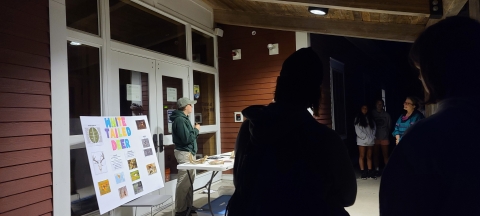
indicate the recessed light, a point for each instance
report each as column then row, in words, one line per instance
column 75, row 43
column 318, row 11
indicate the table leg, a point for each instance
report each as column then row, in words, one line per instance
column 206, row 185
column 191, row 191
column 209, row 185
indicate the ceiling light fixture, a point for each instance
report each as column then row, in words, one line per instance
column 318, row 11
column 75, row 43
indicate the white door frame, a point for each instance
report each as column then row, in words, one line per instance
column 164, row 68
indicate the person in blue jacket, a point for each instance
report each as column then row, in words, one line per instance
column 406, row 120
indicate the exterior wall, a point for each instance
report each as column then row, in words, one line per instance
column 252, row 79
column 25, row 109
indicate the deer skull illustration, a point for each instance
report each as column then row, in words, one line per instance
column 99, row 162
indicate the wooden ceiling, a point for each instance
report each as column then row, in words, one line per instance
column 396, row 20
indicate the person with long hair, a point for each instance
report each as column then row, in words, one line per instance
column 286, row 162
column 410, row 117
column 382, row 135
column 434, row 169
column 365, row 130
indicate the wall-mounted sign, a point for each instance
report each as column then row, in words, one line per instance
column 170, row 122
column 134, row 92
column 196, row 91
column 171, row 94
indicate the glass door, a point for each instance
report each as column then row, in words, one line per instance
column 172, row 84
column 131, row 87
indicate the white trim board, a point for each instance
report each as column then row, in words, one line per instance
column 60, row 110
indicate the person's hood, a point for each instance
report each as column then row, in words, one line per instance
column 276, row 120
column 302, row 72
column 177, row 114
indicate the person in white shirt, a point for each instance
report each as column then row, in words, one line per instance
column 365, row 130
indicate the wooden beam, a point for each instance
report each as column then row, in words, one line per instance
column 370, row 30
column 398, row 7
column 450, row 8
column 474, row 9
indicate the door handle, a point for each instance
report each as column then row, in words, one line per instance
column 160, row 139
column 155, row 142
column 158, row 142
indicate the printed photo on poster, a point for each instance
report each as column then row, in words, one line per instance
column 135, row 175
column 138, row 187
column 99, row 163
column 123, row 192
column 104, row 187
column 94, row 135
column 148, row 152
column 151, row 169
column 132, row 164
column 117, row 162
column 145, row 142
column 119, row 178
column 141, row 124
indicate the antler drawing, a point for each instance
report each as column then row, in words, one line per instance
column 99, row 163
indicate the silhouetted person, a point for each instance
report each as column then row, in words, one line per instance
column 382, row 134
column 434, row 170
column 287, row 163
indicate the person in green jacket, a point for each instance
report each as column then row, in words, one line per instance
column 185, row 140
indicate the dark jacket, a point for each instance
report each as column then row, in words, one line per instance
column 183, row 133
column 287, row 163
column 434, row 170
column 383, row 123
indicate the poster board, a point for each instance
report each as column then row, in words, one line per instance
column 122, row 159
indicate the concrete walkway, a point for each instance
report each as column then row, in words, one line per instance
column 366, row 203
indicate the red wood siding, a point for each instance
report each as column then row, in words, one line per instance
column 252, row 79
column 25, row 114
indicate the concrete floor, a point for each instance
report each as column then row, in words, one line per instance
column 366, row 203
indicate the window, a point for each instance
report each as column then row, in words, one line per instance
column 83, row 15
column 339, row 123
column 204, row 94
column 139, row 26
column 206, row 146
column 202, row 48
column 384, row 101
column 134, row 98
column 83, row 83
column 82, row 191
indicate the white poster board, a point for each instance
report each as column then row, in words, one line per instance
column 122, row 159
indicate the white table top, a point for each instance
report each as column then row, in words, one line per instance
column 207, row 166
column 148, row 200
